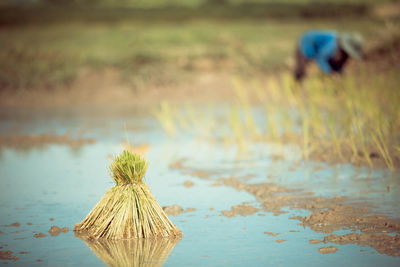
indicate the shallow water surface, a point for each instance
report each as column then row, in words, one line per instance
column 58, row 185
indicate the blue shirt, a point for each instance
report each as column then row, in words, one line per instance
column 320, row 46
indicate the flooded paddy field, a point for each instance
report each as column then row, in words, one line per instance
column 264, row 207
column 254, row 168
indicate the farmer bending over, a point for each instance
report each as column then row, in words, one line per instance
column 329, row 49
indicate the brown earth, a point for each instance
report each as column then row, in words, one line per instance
column 55, row 230
column 321, row 151
column 326, row 250
column 381, row 242
column 41, row 140
column 188, row 184
column 175, row 210
column 243, row 209
column 39, row 235
column 16, row 224
column 201, row 173
column 328, row 215
column 106, row 88
column 178, row 165
column 272, row 234
column 7, row 255
column 323, row 154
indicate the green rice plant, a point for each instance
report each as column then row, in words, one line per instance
column 336, row 141
column 245, row 106
column 235, row 122
column 306, row 138
column 272, row 123
column 259, row 92
column 306, row 134
column 287, row 123
column 166, row 117
column 379, row 141
column 274, row 90
column 183, row 118
column 350, row 131
column 128, row 210
column 363, row 143
column 316, row 121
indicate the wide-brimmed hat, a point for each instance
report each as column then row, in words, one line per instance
column 352, row 44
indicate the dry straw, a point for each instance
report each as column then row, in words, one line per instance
column 128, row 210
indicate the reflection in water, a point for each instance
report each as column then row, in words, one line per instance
column 131, row 252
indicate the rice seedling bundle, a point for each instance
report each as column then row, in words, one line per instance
column 128, row 210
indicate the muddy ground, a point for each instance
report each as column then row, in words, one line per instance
column 326, row 214
column 106, row 89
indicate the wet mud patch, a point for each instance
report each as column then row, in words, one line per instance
column 272, row 234
column 42, row 140
column 19, row 231
column 55, row 230
column 327, row 250
column 201, row 173
column 328, row 215
column 186, row 170
column 243, row 209
column 15, row 224
column 188, row 184
column 321, row 153
column 39, row 235
column 383, row 243
column 178, row 165
column 7, row 255
column 175, row 210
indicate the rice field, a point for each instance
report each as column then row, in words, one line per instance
column 169, row 133
column 341, row 119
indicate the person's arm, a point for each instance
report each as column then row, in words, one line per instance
column 325, row 53
column 324, row 64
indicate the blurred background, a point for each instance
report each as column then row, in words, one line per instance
column 59, row 52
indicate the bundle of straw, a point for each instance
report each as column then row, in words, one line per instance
column 128, row 210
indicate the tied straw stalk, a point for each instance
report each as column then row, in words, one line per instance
column 128, row 210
